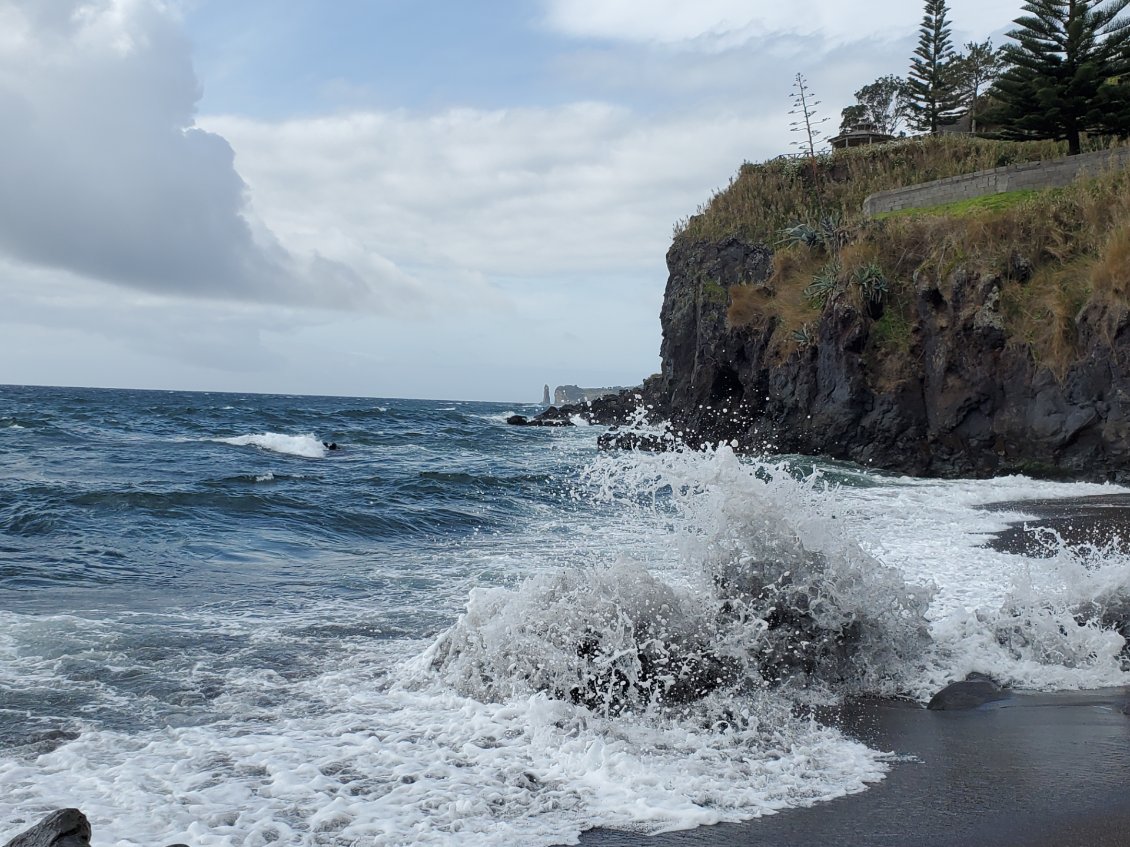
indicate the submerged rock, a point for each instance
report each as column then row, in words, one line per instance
column 969, row 693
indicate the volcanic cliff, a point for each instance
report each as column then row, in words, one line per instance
column 959, row 400
column 976, row 343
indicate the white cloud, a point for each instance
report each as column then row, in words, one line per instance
column 519, row 192
column 107, row 176
column 724, row 24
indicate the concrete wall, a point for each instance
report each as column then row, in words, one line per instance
column 1029, row 175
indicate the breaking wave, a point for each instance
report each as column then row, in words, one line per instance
column 306, row 446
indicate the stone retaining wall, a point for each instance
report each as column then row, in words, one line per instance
column 1028, row 175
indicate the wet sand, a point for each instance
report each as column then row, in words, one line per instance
column 1035, row 770
column 1099, row 520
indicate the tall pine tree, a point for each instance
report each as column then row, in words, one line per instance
column 932, row 94
column 1063, row 75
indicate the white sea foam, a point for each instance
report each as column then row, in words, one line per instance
column 347, row 757
column 623, row 684
column 1029, row 622
column 306, row 446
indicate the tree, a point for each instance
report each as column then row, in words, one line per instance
column 974, row 69
column 1064, row 69
column 808, row 124
column 931, row 87
column 880, row 106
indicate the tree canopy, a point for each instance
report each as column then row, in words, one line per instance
column 880, row 106
column 1067, row 72
column 977, row 66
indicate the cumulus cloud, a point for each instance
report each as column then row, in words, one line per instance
column 725, row 24
column 107, row 175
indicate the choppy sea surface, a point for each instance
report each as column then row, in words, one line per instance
column 215, row 630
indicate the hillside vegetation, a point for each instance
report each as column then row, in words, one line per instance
column 1054, row 255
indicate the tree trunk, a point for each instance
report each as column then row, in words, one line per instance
column 1073, row 148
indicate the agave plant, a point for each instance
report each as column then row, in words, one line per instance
column 872, row 282
column 824, row 284
column 803, row 336
column 801, row 233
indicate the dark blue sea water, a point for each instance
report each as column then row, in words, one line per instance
column 214, row 629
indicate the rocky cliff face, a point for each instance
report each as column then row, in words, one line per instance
column 953, row 397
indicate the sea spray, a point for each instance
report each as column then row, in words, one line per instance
column 767, row 605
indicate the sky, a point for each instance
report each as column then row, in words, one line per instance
column 388, row 198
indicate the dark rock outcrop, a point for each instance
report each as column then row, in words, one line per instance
column 550, row 417
column 956, row 399
column 629, row 439
column 64, row 828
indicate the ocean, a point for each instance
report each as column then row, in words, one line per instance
column 216, row 630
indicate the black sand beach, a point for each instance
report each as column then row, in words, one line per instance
column 1033, row 770
column 1099, row 520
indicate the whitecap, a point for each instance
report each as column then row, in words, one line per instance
column 306, row 446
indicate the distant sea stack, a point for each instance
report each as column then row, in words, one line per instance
column 545, row 401
column 964, row 344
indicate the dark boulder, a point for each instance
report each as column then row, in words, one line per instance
column 969, row 693
column 64, row 828
column 552, row 416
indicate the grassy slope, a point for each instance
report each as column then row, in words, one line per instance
column 1053, row 252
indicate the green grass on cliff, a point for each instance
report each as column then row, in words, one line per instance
column 762, row 200
column 985, row 203
column 1059, row 258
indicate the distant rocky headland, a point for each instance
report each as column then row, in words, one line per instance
column 986, row 336
column 566, row 394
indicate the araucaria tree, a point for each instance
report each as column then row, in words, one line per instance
column 1064, row 69
column 932, row 95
